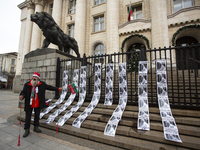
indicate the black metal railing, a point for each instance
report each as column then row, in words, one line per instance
column 182, row 73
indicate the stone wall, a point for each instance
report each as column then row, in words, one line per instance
column 43, row 61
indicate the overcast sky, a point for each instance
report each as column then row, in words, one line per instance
column 10, row 25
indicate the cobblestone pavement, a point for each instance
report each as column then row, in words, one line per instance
column 47, row 140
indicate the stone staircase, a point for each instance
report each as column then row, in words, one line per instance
column 127, row 135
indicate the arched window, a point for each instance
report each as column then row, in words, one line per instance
column 99, row 50
column 133, row 58
column 184, row 56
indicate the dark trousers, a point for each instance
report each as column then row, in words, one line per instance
column 28, row 117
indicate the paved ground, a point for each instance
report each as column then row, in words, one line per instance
column 47, row 140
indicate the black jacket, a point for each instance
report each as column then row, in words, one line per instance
column 26, row 92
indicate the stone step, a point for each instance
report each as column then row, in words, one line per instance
column 130, row 119
column 88, row 126
column 127, row 134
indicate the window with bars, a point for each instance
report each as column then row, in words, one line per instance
column 97, row 2
column 179, row 4
column 72, row 6
column 98, row 23
column 137, row 12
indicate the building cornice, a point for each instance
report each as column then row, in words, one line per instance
column 133, row 21
column 134, row 32
column 183, row 23
column 38, row 2
column 23, row 4
column 183, row 10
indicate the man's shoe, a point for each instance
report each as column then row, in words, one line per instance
column 27, row 131
column 36, row 129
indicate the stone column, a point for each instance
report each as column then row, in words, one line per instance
column 36, row 33
column 28, row 32
column 159, row 26
column 112, row 26
column 56, row 14
column 80, row 25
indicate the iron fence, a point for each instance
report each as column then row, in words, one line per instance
column 183, row 64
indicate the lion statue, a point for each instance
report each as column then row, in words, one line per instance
column 53, row 34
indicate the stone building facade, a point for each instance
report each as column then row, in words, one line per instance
column 102, row 26
column 8, row 68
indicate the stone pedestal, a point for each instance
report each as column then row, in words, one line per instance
column 43, row 61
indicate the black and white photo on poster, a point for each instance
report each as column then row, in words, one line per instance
column 143, row 123
column 163, row 103
column 67, row 103
column 123, row 90
column 142, row 79
column 172, row 135
column 123, row 101
column 161, row 78
column 143, row 68
column 112, row 124
column 162, row 90
column 62, row 96
column 82, row 95
column 143, row 103
column 122, row 79
column 109, row 80
column 118, row 111
column 143, row 113
column 111, row 128
column 95, row 99
column 166, row 114
column 121, row 68
column 142, row 91
column 169, row 123
column 108, row 101
column 109, row 69
column 108, row 91
column 160, row 65
column 97, row 88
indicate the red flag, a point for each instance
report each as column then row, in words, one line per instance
column 130, row 12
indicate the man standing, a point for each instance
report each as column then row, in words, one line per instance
column 34, row 94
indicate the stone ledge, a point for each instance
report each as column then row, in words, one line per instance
column 46, row 51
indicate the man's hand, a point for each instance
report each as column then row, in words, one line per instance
column 21, row 97
column 60, row 89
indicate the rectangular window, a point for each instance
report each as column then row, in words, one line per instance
column 96, row 2
column 72, row 6
column 12, row 69
column 71, row 30
column 98, row 23
column 71, row 34
column 179, row 4
column 51, row 9
column 12, row 61
column 137, row 12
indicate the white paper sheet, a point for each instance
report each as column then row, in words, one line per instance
column 112, row 124
column 109, row 85
column 143, row 104
column 169, row 124
column 82, row 94
column 95, row 99
column 61, row 98
column 67, row 103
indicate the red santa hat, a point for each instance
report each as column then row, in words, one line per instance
column 36, row 74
